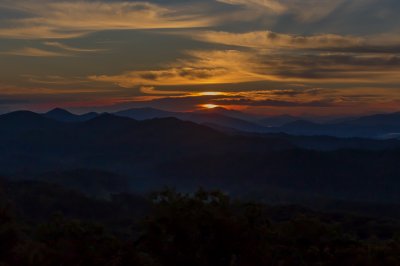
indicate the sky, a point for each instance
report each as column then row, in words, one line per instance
column 320, row 57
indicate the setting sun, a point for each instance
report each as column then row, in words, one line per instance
column 210, row 93
column 209, row 106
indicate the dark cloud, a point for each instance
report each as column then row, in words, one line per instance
column 332, row 66
column 362, row 49
column 184, row 72
column 275, row 103
column 358, row 17
column 169, row 103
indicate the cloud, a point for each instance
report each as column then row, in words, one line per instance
column 172, row 76
column 54, row 80
column 71, row 49
column 341, row 68
column 314, row 43
column 61, row 50
column 185, row 103
column 274, row 6
column 307, row 97
column 234, row 66
column 203, row 67
column 69, row 19
column 153, row 91
column 273, row 40
column 303, row 10
column 275, row 103
column 34, row 52
column 265, row 98
column 313, row 58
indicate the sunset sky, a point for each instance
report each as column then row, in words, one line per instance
column 323, row 57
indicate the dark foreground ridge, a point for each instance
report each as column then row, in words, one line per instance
column 44, row 224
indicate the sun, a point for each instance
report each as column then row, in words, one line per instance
column 209, row 106
column 210, row 93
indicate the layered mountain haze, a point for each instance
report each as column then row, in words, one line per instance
column 219, row 117
column 378, row 126
column 168, row 150
column 277, row 121
column 65, row 116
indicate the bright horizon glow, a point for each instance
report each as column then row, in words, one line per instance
column 210, row 93
column 209, row 106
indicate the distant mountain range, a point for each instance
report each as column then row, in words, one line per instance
column 66, row 116
column 218, row 118
column 36, row 137
column 147, row 154
column 277, row 121
column 380, row 126
column 383, row 126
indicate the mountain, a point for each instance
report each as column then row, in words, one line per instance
column 222, row 121
column 66, row 116
column 107, row 123
column 112, row 143
column 382, row 120
column 231, row 113
column 276, row 121
column 25, row 121
column 149, row 154
column 60, row 115
column 207, row 117
column 302, row 127
column 381, row 126
column 329, row 143
column 307, row 128
column 146, row 113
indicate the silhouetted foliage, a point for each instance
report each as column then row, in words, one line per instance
column 203, row 228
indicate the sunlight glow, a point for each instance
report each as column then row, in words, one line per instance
column 210, row 93
column 209, row 106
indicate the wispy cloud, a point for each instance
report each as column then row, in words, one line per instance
column 203, row 67
column 332, row 43
column 59, row 50
column 72, row 49
column 34, row 52
column 53, row 80
column 67, row 19
column 275, row 103
column 273, row 40
column 304, row 10
column 224, row 67
column 153, row 91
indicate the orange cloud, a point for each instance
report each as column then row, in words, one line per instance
column 204, row 67
column 230, row 66
column 64, row 19
column 272, row 40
